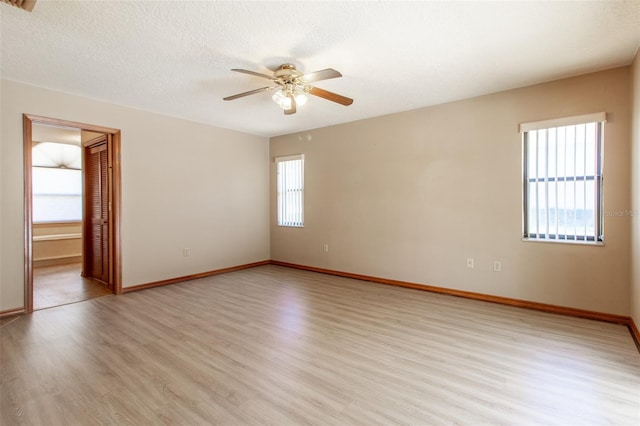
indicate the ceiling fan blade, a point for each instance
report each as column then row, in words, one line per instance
column 330, row 96
column 321, row 75
column 293, row 108
column 250, row 92
column 257, row 74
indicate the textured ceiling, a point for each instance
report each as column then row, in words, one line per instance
column 174, row 57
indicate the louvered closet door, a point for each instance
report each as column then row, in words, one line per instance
column 97, row 238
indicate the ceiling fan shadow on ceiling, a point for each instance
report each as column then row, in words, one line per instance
column 292, row 87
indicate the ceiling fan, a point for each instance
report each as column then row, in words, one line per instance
column 293, row 87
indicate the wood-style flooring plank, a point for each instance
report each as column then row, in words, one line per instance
column 272, row 345
column 63, row 284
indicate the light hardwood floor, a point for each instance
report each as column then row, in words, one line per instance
column 62, row 284
column 272, row 345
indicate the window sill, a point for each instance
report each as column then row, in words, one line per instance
column 58, row 222
column 572, row 242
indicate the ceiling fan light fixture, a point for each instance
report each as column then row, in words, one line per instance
column 286, row 103
column 301, row 97
column 279, row 97
column 282, row 98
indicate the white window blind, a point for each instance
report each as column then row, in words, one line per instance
column 290, row 171
column 562, row 183
column 56, row 182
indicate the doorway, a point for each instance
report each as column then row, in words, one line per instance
column 72, row 232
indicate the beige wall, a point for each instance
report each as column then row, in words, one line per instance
column 410, row 196
column 635, row 187
column 184, row 184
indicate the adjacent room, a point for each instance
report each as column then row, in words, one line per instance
column 319, row 212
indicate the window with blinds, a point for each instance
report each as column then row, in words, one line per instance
column 562, row 185
column 56, row 182
column 290, row 172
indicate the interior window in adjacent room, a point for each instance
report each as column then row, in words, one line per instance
column 57, row 182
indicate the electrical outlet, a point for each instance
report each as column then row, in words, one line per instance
column 186, row 252
column 497, row 266
column 470, row 262
column 326, row 248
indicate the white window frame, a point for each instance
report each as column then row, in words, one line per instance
column 544, row 232
column 290, row 188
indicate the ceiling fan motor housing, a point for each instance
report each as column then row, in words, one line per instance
column 287, row 73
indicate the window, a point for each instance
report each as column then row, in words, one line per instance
column 56, row 182
column 562, row 165
column 290, row 190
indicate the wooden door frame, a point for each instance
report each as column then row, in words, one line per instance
column 115, row 263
